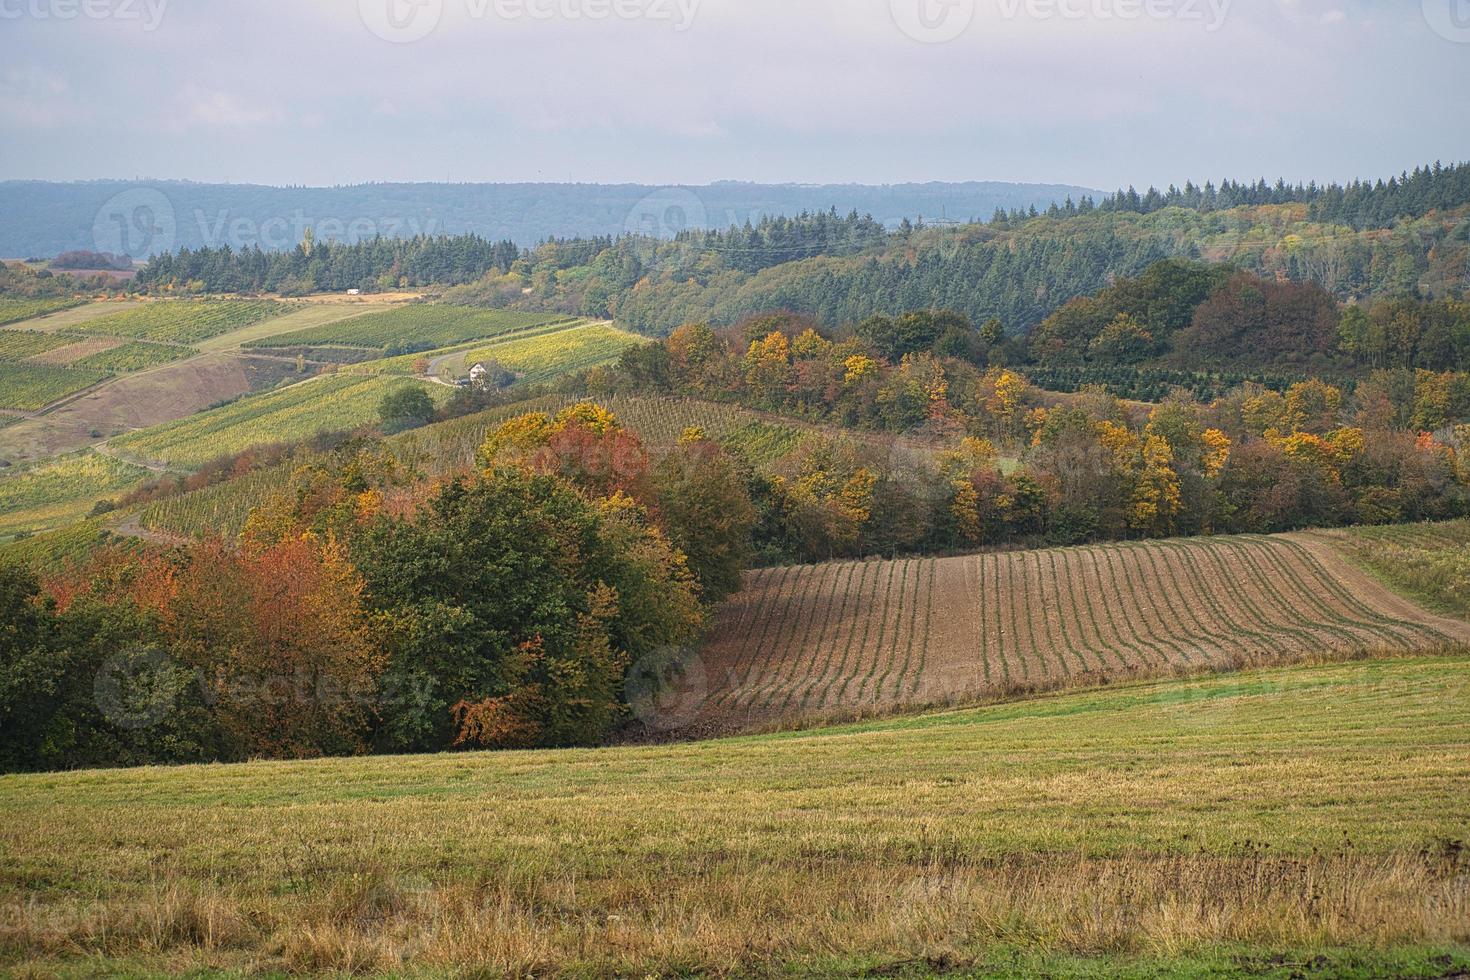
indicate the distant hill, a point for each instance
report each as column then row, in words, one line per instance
column 141, row 218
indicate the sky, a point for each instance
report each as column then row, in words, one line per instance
column 1100, row 93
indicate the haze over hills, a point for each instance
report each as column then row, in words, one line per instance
column 142, row 218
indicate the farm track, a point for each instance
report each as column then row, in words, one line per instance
column 859, row 637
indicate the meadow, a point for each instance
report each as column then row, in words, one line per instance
column 1430, row 562
column 183, row 321
column 1155, row 829
column 432, row 325
column 295, row 413
column 807, row 643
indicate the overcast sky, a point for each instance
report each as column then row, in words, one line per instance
column 1092, row 92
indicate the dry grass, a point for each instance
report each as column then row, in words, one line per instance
column 1303, row 808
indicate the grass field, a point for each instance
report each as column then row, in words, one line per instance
column 54, row 493
column 291, row 414
column 14, row 310
column 431, row 324
column 183, row 321
column 851, row 637
column 1226, row 825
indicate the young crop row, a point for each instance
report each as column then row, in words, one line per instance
column 861, row 636
column 14, row 310
column 52, row 493
column 295, row 413
column 423, row 326
column 183, row 321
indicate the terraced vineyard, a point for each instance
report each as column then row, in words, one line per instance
column 851, row 637
column 27, row 387
column 298, row 412
column 447, row 446
column 50, row 494
column 427, row 324
column 183, row 321
column 15, row 310
column 18, row 345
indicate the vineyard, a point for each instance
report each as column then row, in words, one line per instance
column 295, row 413
column 15, row 310
column 64, row 489
column 419, row 327
column 134, row 356
column 550, row 355
column 27, row 387
column 183, row 321
column 448, row 446
column 18, row 345
column 870, row 636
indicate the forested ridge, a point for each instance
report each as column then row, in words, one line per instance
column 1407, row 236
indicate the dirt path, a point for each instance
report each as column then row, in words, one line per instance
column 132, row 527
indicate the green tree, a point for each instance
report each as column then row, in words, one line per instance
column 406, row 408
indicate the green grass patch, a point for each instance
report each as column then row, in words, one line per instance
column 50, row 494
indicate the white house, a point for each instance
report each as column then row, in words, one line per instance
column 354, row 292
column 478, row 374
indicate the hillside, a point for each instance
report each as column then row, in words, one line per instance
column 806, row 643
column 48, row 218
column 1151, row 830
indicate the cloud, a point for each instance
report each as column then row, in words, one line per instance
column 201, row 107
column 34, row 98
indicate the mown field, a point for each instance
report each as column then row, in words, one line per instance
column 50, row 494
column 1297, row 822
column 433, row 325
column 851, row 637
column 183, row 321
column 294, row 413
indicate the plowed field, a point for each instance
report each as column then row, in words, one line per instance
column 811, row 642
